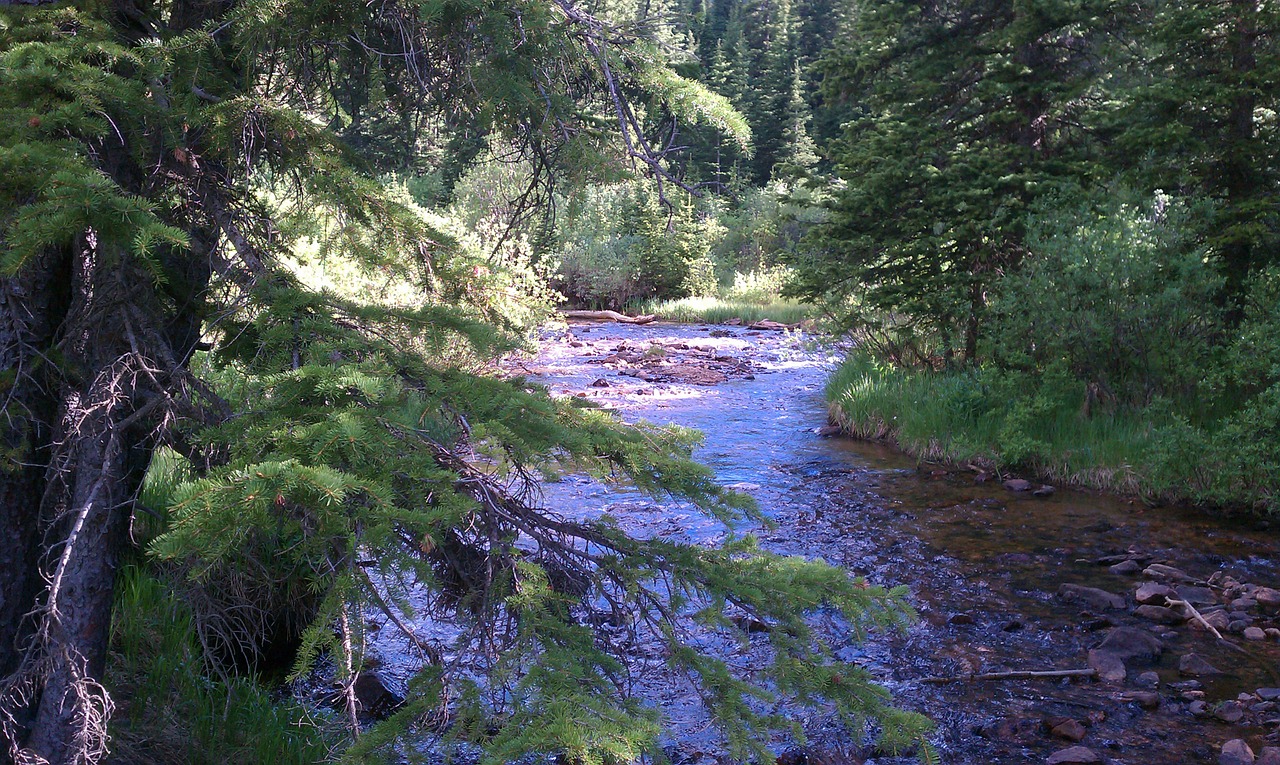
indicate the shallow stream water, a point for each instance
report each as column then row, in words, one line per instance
column 984, row 564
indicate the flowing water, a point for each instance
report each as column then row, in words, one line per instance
column 984, row 564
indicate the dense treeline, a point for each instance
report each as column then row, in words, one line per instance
column 1070, row 209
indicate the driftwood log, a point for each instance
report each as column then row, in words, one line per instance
column 608, row 316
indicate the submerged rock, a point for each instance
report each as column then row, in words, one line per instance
column 1091, row 596
column 1076, row 754
column 1195, row 666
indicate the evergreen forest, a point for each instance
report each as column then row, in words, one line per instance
column 265, row 266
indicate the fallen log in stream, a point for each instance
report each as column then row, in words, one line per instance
column 608, row 316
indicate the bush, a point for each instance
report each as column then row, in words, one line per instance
column 1117, row 291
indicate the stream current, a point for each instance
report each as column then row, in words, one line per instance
column 984, row 564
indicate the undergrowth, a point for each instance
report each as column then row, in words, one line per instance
column 171, row 711
column 715, row 310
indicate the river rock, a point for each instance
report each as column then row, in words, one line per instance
column 600, row 382
column 1268, row 694
column 1161, row 571
column 1148, row 679
column 1073, row 756
column 374, row 697
column 1216, row 619
column 1126, row 568
column 1145, row 699
column 1236, row 752
column 1229, row 712
column 1091, row 596
column 1017, row 484
column 1268, row 599
column 1197, row 596
column 1152, row 593
column 1254, row 633
column 1069, row 729
column 1195, row 666
column 1270, row 755
column 1158, row 614
column 827, row 431
column 1109, row 666
column 1045, row 490
column 1132, row 644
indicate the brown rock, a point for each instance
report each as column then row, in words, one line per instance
column 1017, row 484
column 1236, row 752
column 1152, row 593
column 1071, row 730
column 1193, row 665
column 1091, row 596
column 1074, row 755
column 1216, row 619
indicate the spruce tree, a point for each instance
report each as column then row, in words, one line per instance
column 158, row 163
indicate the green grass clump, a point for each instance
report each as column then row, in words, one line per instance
column 171, row 711
column 715, row 310
column 1039, row 426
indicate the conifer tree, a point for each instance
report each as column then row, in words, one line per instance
column 157, row 164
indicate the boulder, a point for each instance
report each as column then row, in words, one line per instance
column 1072, row 756
column 1017, row 484
column 1270, row 755
column 1148, row 679
column 1254, row 633
column 1268, row 694
column 1091, row 596
column 1229, row 712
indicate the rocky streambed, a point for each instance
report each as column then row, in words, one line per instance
column 1060, row 628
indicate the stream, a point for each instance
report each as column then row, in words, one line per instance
column 985, row 565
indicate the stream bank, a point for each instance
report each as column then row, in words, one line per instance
column 987, row 567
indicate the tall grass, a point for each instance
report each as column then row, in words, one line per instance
column 986, row 418
column 172, row 712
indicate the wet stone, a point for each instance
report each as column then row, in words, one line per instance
column 1243, row 604
column 1073, row 756
column 1229, row 712
column 1147, row 680
column 1072, row 730
column 1158, row 614
column 1267, row 598
column 1161, row 571
column 1198, row 708
column 1272, row 633
column 1091, row 596
column 1270, row 755
column 1254, row 633
column 1197, row 596
column 1195, row 666
column 1127, row 568
column 1152, row 593
column 1237, row 625
column 1132, row 644
column 1236, row 752
column 1145, row 699
column 1017, row 484
column 1268, row 694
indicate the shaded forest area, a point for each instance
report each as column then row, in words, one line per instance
column 260, row 259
